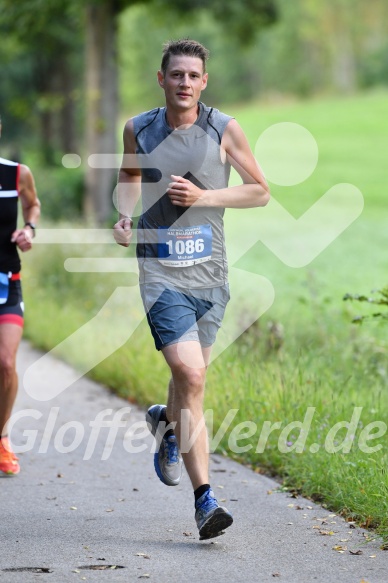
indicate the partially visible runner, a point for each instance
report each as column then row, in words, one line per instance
column 16, row 183
column 184, row 153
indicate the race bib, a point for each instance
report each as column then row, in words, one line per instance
column 4, row 287
column 181, row 247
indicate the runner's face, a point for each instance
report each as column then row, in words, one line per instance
column 183, row 82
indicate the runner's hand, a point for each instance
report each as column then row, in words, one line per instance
column 22, row 238
column 122, row 232
column 182, row 192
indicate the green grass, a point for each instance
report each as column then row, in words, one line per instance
column 321, row 361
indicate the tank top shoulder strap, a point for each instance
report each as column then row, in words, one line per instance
column 142, row 121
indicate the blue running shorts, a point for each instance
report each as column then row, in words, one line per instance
column 176, row 315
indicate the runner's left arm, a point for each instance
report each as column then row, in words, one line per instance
column 30, row 209
column 253, row 192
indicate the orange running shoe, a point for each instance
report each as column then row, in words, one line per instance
column 8, row 460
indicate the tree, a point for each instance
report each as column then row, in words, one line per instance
column 47, row 67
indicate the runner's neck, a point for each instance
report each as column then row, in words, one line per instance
column 181, row 121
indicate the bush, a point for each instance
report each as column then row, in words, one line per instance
column 381, row 300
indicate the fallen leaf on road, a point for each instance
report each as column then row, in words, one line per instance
column 76, row 571
column 187, row 533
column 109, row 510
column 73, row 508
column 372, row 556
column 355, row 552
column 140, row 554
column 339, row 549
column 275, row 574
column 328, row 532
column 144, row 576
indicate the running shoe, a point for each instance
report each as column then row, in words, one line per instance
column 8, row 460
column 167, row 460
column 211, row 518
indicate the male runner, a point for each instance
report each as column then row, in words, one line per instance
column 184, row 152
column 16, row 183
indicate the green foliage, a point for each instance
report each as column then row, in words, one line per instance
column 243, row 19
column 380, row 300
column 61, row 193
column 43, row 64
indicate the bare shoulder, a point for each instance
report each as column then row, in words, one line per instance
column 24, row 172
column 26, row 178
column 129, row 136
column 233, row 136
column 128, row 128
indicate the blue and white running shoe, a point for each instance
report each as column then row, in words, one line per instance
column 211, row 518
column 168, row 461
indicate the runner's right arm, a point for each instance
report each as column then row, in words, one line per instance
column 128, row 188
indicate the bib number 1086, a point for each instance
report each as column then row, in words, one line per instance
column 185, row 247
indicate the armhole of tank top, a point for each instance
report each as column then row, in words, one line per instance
column 148, row 124
column 17, row 178
column 212, row 126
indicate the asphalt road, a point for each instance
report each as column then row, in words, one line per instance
column 75, row 516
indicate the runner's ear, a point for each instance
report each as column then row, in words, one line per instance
column 160, row 78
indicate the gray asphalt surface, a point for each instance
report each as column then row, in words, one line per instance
column 64, row 516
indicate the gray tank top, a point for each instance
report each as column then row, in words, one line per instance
column 181, row 246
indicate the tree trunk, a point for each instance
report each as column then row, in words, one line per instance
column 68, row 132
column 344, row 66
column 101, row 106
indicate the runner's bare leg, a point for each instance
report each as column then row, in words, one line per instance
column 188, row 362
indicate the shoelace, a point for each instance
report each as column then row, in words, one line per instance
column 172, row 451
column 208, row 504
